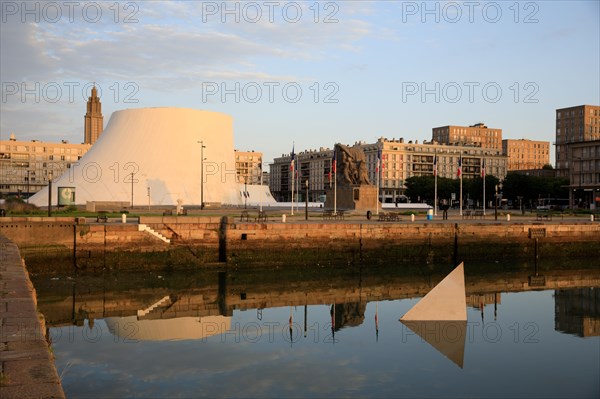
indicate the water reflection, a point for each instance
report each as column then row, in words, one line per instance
column 448, row 337
column 577, row 311
column 315, row 333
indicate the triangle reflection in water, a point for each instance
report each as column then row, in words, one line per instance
column 448, row 337
column 440, row 317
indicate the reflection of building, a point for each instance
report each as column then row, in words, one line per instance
column 94, row 121
column 477, row 135
column 26, row 165
column 577, row 311
column 131, row 328
column 526, row 154
column 478, row 300
column 248, row 165
column 400, row 160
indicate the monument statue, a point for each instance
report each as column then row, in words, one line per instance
column 354, row 190
column 351, row 166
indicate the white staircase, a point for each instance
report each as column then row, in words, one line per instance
column 144, row 312
column 143, row 227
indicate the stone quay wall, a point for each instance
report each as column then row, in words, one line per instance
column 224, row 236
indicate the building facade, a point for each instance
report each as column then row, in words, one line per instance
column 477, row 135
column 248, row 165
column 574, row 125
column 584, row 174
column 526, row 154
column 93, row 120
column 313, row 166
column 26, row 166
column 400, row 160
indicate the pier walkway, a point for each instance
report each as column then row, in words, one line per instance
column 26, row 364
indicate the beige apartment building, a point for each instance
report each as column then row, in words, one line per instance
column 477, row 135
column 248, row 165
column 311, row 165
column 26, row 166
column 574, row 125
column 526, row 154
column 400, row 160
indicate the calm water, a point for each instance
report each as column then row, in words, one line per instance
column 333, row 333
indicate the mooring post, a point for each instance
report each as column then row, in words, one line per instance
column 223, row 240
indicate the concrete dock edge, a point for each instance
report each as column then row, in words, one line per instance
column 27, row 367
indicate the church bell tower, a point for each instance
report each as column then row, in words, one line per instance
column 94, row 121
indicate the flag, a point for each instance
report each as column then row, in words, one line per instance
column 482, row 167
column 293, row 159
column 435, row 165
column 459, row 171
column 378, row 160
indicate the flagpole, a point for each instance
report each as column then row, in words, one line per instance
column 293, row 178
column 483, row 176
column 435, row 201
column 261, row 189
column 335, row 189
column 461, row 191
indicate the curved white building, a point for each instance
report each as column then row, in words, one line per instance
column 160, row 148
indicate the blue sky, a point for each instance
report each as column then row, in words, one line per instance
column 393, row 69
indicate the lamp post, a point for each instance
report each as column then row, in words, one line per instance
column 50, row 194
column 202, row 147
column 148, row 197
column 306, row 203
column 28, row 186
column 131, row 190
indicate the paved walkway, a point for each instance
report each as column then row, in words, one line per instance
column 26, row 365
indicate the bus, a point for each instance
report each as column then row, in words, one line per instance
column 552, row 204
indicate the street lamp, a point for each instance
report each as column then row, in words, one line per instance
column 202, row 147
column 28, row 186
column 49, row 193
column 306, row 208
column 131, row 190
column 498, row 186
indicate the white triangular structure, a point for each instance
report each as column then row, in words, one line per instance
column 446, row 301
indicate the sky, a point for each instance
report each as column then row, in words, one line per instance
column 306, row 74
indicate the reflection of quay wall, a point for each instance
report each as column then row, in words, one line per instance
column 210, row 232
column 578, row 311
column 94, row 302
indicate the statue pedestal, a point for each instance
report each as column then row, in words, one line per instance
column 359, row 198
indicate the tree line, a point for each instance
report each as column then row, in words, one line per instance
column 529, row 188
